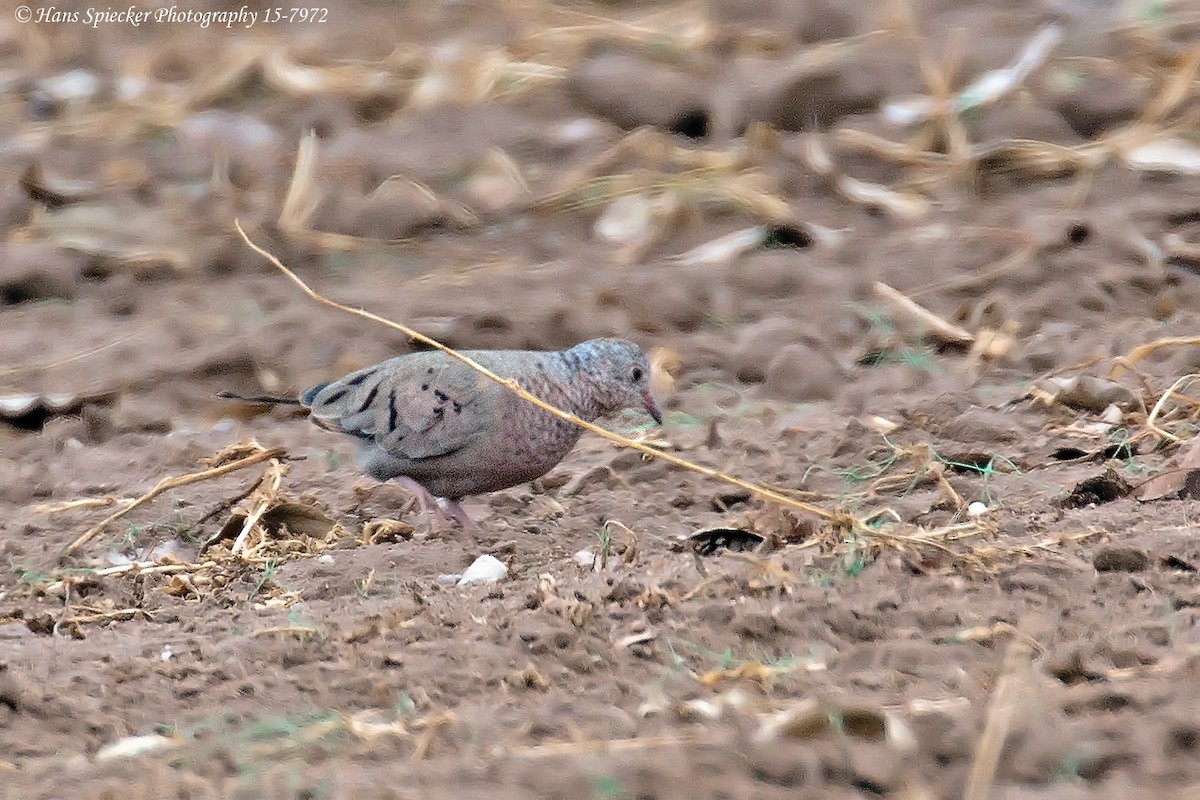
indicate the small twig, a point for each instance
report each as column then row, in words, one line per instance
column 71, row 505
column 166, row 484
column 1138, row 353
column 225, row 505
column 999, row 719
column 930, row 322
column 275, row 471
column 1159, row 404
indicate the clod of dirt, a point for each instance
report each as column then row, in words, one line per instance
column 800, row 374
column 817, row 99
column 632, row 92
column 1089, row 393
column 1096, row 490
column 1101, row 102
column 811, row 719
column 1120, row 558
column 654, row 306
column 736, row 540
column 34, row 272
column 398, row 209
column 52, row 191
column 758, row 344
column 248, row 147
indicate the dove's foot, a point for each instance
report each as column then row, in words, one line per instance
column 459, row 515
column 447, row 510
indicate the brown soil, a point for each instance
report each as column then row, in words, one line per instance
column 323, row 666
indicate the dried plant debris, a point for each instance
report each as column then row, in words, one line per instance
column 284, row 524
column 985, row 90
column 1182, row 482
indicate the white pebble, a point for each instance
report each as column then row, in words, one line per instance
column 485, row 569
column 325, row 559
column 134, row 746
column 977, row 509
column 585, row 559
column 1113, row 415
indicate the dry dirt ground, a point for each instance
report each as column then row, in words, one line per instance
column 997, row 607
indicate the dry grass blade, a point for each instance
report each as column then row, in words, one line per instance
column 886, row 149
column 271, row 482
column 1127, row 361
column 901, row 205
column 940, row 106
column 511, row 384
column 1175, row 91
column 929, row 323
column 999, row 720
column 72, row 505
column 303, row 196
column 1170, row 393
column 258, row 455
column 981, row 276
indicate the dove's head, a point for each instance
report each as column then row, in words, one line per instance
column 620, row 373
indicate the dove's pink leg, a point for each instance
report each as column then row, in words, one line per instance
column 459, row 515
column 425, row 498
column 448, row 510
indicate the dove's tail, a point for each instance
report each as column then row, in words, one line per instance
column 260, row 398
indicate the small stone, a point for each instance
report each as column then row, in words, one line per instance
column 977, row 509
column 325, row 559
column 485, row 569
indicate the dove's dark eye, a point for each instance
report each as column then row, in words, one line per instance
column 636, row 375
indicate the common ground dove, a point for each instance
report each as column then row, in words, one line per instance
column 441, row 429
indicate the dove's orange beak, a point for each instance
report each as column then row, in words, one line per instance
column 651, row 406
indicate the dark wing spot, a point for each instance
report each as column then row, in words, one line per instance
column 429, row 370
column 358, row 379
column 309, row 396
column 438, row 411
column 424, row 387
column 440, row 395
column 392, row 412
column 573, row 362
column 337, row 395
column 370, row 398
column 457, row 407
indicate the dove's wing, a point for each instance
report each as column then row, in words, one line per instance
column 415, row 406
